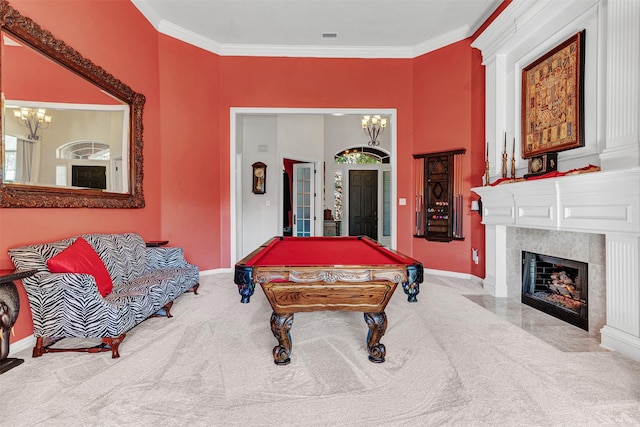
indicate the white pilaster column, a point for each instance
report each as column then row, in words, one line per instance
column 622, row 86
column 622, row 331
column 495, row 282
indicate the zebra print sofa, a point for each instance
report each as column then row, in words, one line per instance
column 146, row 280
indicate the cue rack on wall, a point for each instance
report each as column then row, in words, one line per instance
column 439, row 200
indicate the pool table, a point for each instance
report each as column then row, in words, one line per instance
column 299, row 274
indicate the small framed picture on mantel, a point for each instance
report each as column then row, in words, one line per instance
column 259, row 181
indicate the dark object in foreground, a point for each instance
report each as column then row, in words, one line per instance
column 9, row 310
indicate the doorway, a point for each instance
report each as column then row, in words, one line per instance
column 363, row 203
column 264, row 138
column 298, row 198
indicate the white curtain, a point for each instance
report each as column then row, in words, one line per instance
column 27, row 160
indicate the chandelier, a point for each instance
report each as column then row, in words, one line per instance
column 373, row 126
column 33, row 119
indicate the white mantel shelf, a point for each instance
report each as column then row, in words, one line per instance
column 596, row 202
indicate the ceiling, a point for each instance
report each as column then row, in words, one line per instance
column 362, row 28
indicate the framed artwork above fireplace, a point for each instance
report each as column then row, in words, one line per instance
column 553, row 100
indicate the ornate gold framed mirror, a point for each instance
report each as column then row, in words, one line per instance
column 71, row 132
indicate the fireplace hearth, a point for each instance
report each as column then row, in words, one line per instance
column 557, row 287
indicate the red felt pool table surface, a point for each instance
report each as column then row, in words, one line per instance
column 324, row 251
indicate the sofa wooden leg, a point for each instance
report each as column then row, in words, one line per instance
column 194, row 288
column 113, row 344
column 38, row 350
column 167, row 308
column 165, row 311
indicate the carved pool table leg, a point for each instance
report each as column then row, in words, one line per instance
column 377, row 323
column 280, row 326
column 412, row 290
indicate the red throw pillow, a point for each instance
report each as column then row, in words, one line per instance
column 80, row 257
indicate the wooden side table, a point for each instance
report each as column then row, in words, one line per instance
column 9, row 309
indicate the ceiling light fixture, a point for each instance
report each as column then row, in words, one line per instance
column 33, row 119
column 373, row 126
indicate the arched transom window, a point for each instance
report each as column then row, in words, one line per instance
column 86, row 150
column 362, row 156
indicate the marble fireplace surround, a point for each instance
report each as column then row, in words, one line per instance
column 583, row 247
column 573, row 217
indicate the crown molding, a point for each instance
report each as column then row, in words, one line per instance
column 316, row 51
column 188, row 36
column 520, row 19
column 442, row 40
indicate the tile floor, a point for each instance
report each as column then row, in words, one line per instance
column 561, row 335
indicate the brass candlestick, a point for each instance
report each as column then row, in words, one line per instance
column 513, row 160
column 505, row 156
column 486, row 166
column 486, row 173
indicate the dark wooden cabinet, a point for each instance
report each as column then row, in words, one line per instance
column 438, row 196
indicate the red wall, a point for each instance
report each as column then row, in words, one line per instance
column 446, row 84
column 438, row 98
column 190, row 177
column 22, row 77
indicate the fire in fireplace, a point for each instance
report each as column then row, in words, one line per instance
column 556, row 286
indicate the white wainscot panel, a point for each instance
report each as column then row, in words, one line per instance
column 497, row 205
column 600, row 203
column 496, row 214
column 537, row 206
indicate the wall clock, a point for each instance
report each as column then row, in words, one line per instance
column 259, row 178
column 544, row 163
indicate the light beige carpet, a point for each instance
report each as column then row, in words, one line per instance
column 449, row 362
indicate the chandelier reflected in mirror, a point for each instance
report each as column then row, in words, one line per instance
column 373, row 126
column 34, row 119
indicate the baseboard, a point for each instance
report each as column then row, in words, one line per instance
column 446, row 273
column 476, row 279
column 216, row 271
column 23, row 344
column 622, row 342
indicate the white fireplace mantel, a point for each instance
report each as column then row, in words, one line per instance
column 605, row 202
column 596, row 202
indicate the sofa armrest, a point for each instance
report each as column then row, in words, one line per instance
column 162, row 258
column 55, row 298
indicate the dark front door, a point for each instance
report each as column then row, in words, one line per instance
column 89, row 176
column 363, row 203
